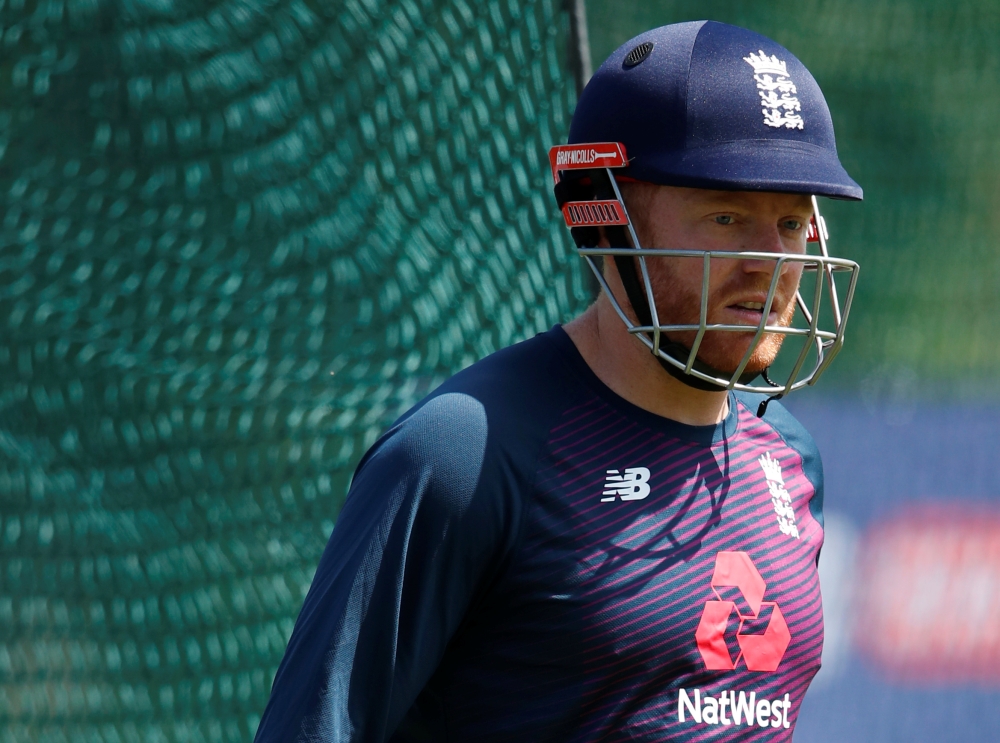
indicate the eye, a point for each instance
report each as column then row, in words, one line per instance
column 723, row 219
column 792, row 225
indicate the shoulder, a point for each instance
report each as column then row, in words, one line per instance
column 525, row 371
column 514, row 392
column 795, row 435
column 783, row 423
column 467, row 451
column 441, row 443
column 500, row 408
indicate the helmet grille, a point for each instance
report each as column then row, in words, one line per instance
column 638, row 54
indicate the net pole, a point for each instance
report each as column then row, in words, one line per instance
column 579, row 43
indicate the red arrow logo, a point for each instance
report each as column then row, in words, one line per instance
column 760, row 652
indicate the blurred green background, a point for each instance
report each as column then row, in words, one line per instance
column 239, row 237
column 914, row 88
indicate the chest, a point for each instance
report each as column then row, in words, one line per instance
column 661, row 554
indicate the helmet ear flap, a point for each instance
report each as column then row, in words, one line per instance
column 578, row 189
column 589, row 185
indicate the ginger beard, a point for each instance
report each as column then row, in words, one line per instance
column 676, row 284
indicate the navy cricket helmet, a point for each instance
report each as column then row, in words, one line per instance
column 709, row 105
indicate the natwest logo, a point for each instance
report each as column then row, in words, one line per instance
column 741, row 622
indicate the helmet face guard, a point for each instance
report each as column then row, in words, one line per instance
column 820, row 330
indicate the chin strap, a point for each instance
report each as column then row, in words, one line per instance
column 637, row 297
column 762, row 408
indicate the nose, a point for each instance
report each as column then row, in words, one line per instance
column 766, row 238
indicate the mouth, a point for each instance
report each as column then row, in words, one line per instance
column 749, row 312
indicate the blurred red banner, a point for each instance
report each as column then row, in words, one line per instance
column 928, row 596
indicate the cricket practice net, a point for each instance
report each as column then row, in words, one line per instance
column 238, row 238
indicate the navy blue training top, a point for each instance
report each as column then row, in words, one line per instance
column 525, row 556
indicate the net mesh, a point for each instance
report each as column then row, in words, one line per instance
column 238, row 238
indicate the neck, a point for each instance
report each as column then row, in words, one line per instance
column 627, row 367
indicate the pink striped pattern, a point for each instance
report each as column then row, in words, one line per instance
column 610, row 594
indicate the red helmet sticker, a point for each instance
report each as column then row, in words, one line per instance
column 593, row 213
column 583, row 156
column 812, row 232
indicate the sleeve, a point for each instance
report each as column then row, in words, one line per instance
column 421, row 529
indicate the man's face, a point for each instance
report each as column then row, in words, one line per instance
column 698, row 219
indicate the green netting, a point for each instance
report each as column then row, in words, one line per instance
column 238, row 237
column 914, row 88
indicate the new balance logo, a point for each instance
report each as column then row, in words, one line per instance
column 633, row 485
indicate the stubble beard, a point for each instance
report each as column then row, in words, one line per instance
column 678, row 304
